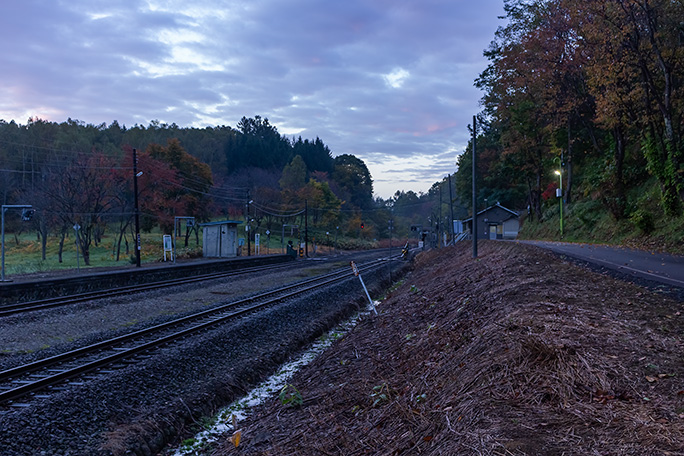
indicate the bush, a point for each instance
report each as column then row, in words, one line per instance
column 588, row 212
column 643, row 220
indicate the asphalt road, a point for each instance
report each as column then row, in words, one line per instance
column 659, row 267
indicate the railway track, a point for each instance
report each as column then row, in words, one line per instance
column 30, row 306
column 19, row 385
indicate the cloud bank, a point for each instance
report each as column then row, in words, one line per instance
column 390, row 81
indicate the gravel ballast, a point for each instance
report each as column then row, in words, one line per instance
column 144, row 407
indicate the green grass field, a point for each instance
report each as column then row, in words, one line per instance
column 26, row 258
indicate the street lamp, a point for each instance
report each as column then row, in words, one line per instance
column 136, row 208
column 559, row 194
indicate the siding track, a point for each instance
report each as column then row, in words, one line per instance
column 29, row 306
column 19, row 385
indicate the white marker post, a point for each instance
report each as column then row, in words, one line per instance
column 168, row 245
column 356, row 273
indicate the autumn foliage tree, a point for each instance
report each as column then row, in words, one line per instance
column 595, row 86
column 156, row 195
column 637, row 62
column 188, row 193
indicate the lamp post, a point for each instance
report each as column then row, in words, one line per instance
column 136, row 209
column 559, row 194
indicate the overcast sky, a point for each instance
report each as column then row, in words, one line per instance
column 389, row 81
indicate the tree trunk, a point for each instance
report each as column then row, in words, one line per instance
column 83, row 241
column 123, row 226
column 534, row 199
column 122, row 233
column 617, row 204
column 568, row 162
column 61, row 243
column 43, row 230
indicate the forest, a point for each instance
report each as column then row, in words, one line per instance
column 590, row 90
column 77, row 174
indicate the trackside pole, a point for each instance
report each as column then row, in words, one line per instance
column 474, row 224
column 357, row 274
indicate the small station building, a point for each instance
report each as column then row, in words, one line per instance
column 220, row 239
column 495, row 222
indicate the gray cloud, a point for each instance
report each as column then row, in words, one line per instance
column 390, row 81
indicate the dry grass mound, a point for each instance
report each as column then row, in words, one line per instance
column 514, row 353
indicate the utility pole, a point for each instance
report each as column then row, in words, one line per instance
column 390, row 228
column 247, row 227
column 306, row 228
column 451, row 210
column 474, row 189
column 440, row 228
column 137, row 210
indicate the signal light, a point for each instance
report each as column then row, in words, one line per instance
column 362, row 226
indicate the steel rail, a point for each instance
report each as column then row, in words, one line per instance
column 227, row 312
column 29, row 306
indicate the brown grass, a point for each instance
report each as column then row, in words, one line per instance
column 515, row 353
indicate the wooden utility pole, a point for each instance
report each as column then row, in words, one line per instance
column 451, row 211
column 474, row 224
column 306, row 228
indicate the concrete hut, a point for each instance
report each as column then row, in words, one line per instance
column 220, row 239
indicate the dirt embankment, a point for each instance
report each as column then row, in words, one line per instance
column 515, row 353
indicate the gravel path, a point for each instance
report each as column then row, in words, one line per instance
column 145, row 406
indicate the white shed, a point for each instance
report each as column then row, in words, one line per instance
column 219, row 239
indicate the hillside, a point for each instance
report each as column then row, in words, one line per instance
column 515, row 353
column 587, row 220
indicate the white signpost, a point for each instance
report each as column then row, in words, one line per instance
column 168, row 246
column 358, row 274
